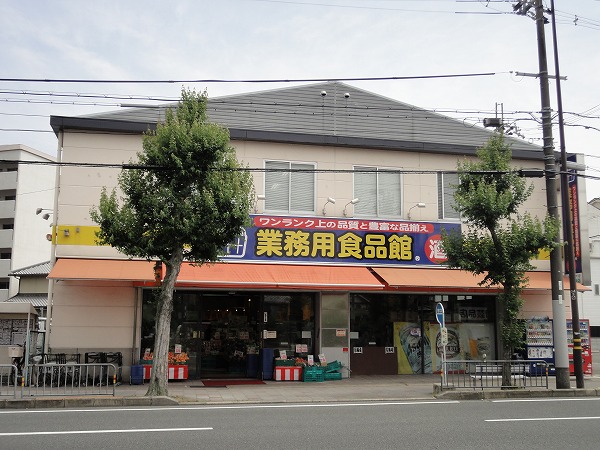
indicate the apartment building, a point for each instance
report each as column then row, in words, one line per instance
column 27, row 183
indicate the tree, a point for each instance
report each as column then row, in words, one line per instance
column 187, row 197
column 500, row 241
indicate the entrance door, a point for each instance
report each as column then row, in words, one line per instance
column 217, row 331
column 229, row 333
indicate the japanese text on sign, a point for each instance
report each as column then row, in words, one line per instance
column 273, row 242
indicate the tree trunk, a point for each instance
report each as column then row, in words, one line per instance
column 160, row 375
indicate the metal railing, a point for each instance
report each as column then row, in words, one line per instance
column 473, row 374
column 8, row 380
column 72, row 378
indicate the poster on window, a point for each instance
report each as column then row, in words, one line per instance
column 466, row 341
column 454, row 349
column 414, row 349
column 477, row 340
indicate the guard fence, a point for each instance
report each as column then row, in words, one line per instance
column 8, row 385
column 55, row 379
column 488, row 374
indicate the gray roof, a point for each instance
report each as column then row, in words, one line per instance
column 346, row 115
column 37, row 300
column 34, row 270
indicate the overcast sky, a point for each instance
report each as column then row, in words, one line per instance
column 143, row 40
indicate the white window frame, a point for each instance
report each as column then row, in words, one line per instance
column 443, row 194
column 290, row 187
column 375, row 170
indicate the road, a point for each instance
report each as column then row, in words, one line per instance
column 499, row 424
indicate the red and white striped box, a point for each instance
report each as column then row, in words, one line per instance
column 175, row 372
column 178, row 372
column 288, row 373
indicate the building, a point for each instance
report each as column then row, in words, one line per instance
column 27, row 182
column 343, row 256
column 590, row 301
column 33, row 288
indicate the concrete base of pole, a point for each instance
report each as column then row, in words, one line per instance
column 563, row 380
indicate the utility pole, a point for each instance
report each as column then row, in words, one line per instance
column 559, row 322
column 568, row 222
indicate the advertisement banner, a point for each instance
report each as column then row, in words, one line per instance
column 340, row 241
column 574, row 214
column 454, row 350
column 466, row 341
column 408, row 339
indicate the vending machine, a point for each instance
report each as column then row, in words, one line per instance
column 586, row 346
column 539, row 343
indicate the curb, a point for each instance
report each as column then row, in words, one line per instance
column 492, row 394
column 85, row 402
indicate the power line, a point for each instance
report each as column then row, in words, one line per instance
column 275, row 80
column 529, row 173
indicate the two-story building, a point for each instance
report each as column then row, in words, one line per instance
column 342, row 258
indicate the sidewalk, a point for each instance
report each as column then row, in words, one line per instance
column 355, row 389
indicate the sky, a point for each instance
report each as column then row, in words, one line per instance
column 244, row 41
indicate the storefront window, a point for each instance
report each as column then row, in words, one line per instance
column 222, row 332
column 217, row 331
column 289, row 321
column 405, row 325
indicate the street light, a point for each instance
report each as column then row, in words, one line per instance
column 418, row 205
column 45, row 216
column 354, row 201
column 329, row 200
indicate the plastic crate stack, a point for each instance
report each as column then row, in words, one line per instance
column 332, row 371
column 313, row 373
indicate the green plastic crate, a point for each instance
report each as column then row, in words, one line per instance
column 313, row 373
column 333, row 366
column 333, row 376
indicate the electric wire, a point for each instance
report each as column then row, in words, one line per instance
column 214, row 80
column 528, row 173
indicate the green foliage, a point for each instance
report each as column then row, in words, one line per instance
column 188, row 201
column 192, row 197
column 499, row 242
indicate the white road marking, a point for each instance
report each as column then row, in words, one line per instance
column 561, row 399
column 144, row 430
column 543, row 419
column 218, row 407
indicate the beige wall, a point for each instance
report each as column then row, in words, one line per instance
column 102, row 321
column 33, row 285
column 100, row 316
column 539, row 305
column 81, row 186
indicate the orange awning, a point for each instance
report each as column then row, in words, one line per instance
column 224, row 275
column 450, row 280
column 278, row 276
column 102, row 269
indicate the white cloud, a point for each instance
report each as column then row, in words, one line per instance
column 250, row 39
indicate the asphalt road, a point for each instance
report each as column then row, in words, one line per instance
column 499, row 424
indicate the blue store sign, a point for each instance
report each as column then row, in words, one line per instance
column 340, row 241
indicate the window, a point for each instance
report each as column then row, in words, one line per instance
column 596, row 289
column 288, row 188
column 446, row 187
column 379, row 192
